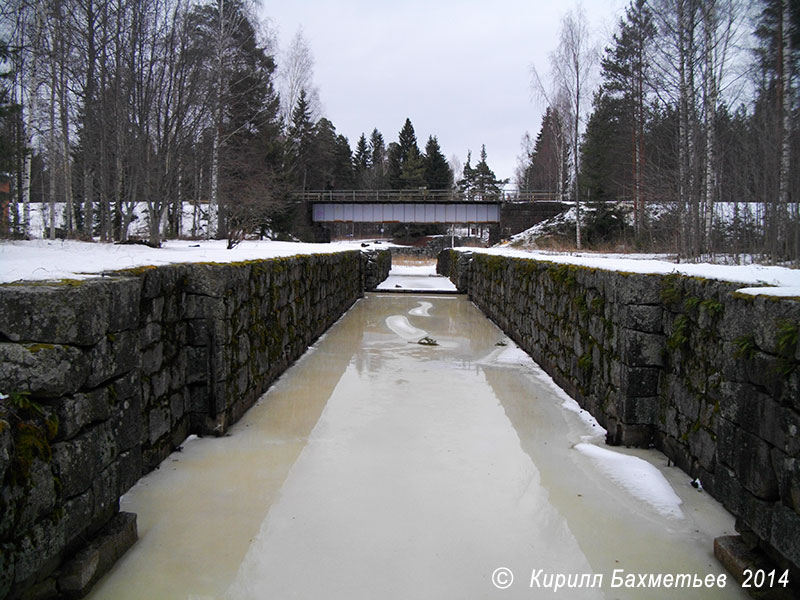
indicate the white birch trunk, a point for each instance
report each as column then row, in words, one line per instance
column 211, row 230
column 710, row 114
column 33, row 98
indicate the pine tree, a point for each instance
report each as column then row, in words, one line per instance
column 626, row 75
column 438, row 174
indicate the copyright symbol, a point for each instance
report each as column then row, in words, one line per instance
column 502, row 578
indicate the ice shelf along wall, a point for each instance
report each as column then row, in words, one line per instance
column 106, row 376
column 709, row 376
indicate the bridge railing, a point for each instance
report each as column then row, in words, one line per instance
column 422, row 195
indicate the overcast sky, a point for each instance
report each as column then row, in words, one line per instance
column 460, row 70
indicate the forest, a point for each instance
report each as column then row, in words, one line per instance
column 692, row 131
column 679, row 135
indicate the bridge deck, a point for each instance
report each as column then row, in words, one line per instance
column 412, row 212
column 421, row 196
column 413, row 206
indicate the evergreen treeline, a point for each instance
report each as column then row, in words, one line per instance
column 172, row 103
column 693, row 125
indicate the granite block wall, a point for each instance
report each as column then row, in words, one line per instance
column 709, row 376
column 103, row 378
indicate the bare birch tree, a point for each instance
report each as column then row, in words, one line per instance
column 295, row 74
column 572, row 64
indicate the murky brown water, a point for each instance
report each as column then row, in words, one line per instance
column 380, row 468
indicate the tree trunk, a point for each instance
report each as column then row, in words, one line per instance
column 51, row 150
column 69, row 207
column 88, row 202
column 213, row 199
column 784, row 83
column 33, row 97
column 710, row 114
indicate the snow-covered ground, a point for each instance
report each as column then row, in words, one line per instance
column 416, row 278
column 41, row 260
column 191, row 219
column 725, row 215
column 756, row 279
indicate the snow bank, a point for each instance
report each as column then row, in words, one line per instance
column 637, row 476
column 40, row 260
column 759, row 279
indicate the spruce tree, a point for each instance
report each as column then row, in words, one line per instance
column 407, row 140
column 344, row 174
column 605, row 152
column 300, row 140
column 361, row 161
column 466, row 184
column 412, row 171
column 376, row 176
column 548, row 164
column 485, row 183
column 438, row 174
column 377, row 149
column 394, row 166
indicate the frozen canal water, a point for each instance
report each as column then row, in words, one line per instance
column 377, row 467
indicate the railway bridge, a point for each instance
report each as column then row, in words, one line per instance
column 505, row 214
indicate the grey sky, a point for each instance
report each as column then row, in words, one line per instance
column 459, row 70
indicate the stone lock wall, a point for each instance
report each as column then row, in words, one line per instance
column 709, row 376
column 105, row 377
